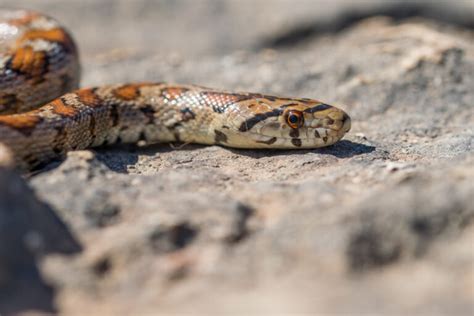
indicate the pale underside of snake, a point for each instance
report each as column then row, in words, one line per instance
column 41, row 119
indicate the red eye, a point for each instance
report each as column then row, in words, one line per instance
column 294, row 119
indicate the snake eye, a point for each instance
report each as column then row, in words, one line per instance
column 294, row 119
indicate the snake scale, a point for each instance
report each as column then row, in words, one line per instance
column 41, row 119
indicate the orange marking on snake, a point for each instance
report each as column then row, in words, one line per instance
column 60, row 108
column 173, row 93
column 29, row 61
column 130, row 92
column 53, row 35
column 23, row 123
column 89, row 98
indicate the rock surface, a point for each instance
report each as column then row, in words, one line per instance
column 379, row 223
column 29, row 230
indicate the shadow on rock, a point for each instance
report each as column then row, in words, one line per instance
column 119, row 158
column 342, row 149
column 346, row 149
column 29, row 230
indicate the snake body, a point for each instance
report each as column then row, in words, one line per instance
column 40, row 119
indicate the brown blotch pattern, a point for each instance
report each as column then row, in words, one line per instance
column 29, row 62
column 295, row 133
column 61, row 108
column 296, row 142
column 220, row 137
column 89, row 98
column 149, row 113
column 114, row 114
column 251, row 122
column 129, row 92
column 268, row 142
column 60, row 139
column 24, row 123
column 92, row 128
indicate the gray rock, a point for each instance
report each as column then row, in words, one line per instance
column 209, row 28
column 379, row 223
column 29, row 230
column 404, row 220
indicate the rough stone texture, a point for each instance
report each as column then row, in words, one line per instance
column 380, row 223
column 29, row 230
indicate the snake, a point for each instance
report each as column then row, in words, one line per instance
column 44, row 114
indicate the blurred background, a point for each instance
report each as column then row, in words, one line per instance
column 207, row 27
column 378, row 224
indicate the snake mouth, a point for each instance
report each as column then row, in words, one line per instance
column 305, row 138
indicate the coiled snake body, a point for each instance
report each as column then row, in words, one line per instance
column 40, row 119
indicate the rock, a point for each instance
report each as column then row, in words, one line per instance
column 188, row 29
column 29, row 230
column 404, row 220
column 379, row 223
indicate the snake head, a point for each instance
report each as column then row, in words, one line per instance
column 292, row 123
